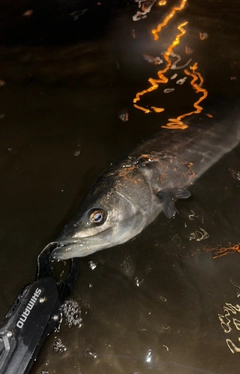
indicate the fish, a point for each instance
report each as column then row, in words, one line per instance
column 132, row 192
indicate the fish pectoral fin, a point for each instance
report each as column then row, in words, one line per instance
column 168, row 197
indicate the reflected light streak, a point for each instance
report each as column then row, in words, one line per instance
column 156, row 31
column 209, row 115
column 196, row 82
column 176, row 123
column 161, row 77
column 224, row 251
column 156, row 109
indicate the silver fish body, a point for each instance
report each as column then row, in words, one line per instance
column 131, row 193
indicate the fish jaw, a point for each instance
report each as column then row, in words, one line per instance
column 67, row 250
column 81, row 247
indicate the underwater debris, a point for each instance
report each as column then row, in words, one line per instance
column 174, row 65
column 58, row 346
column 192, row 215
column 92, row 265
column 124, row 115
column 90, row 353
column 235, row 174
column 145, row 6
column 199, row 235
column 2, row 83
column 189, row 50
column 169, row 90
column 152, row 60
column 181, row 81
column 203, row 35
column 174, row 76
column 162, row 298
column 77, row 14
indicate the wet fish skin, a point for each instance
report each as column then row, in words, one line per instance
column 131, row 193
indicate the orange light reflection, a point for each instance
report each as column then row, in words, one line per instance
column 176, row 123
column 156, row 31
column 160, row 73
column 196, row 82
column 157, row 110
column 224, row 251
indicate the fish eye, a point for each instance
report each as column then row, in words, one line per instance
column 97, row 216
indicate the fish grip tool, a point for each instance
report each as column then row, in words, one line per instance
column 35, row 313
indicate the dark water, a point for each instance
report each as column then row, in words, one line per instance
column 160, row 303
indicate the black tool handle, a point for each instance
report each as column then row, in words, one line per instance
column 34, row 315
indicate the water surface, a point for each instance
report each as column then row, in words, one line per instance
column 161, row 303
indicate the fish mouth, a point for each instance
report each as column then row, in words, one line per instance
column 81, row 247
column 69, row 249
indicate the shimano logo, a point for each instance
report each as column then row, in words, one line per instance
column 27, row 310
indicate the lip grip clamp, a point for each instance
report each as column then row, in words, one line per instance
column 34, row 314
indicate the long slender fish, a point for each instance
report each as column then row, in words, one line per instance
column 131, row 193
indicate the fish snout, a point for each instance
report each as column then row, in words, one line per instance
column 70, row 249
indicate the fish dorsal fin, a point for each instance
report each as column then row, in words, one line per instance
column 168, row 196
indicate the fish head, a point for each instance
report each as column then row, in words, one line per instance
column 107, row 217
